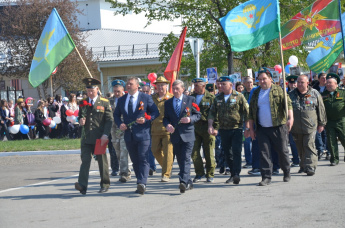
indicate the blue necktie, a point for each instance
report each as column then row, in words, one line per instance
column 130, row 106
column 177, row 107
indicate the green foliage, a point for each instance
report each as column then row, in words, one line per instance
column 202, row 19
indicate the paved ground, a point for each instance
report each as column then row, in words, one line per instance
column 50, row 199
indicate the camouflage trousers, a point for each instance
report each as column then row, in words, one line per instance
column 121, row 150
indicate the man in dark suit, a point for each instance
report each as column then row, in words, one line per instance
column 180, row 114
column 96, row 120
column 132, row 107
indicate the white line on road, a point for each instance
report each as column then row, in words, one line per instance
column 41, row 183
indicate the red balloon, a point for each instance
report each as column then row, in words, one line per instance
column 47, row 122
column 278, row 68
column 152, row 77
column 11, row 123
column 69, row 112
column 76, row 113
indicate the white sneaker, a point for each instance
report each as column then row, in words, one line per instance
column 46, row 137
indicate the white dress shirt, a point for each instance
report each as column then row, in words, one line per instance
column 135, row 101
column 94, row 100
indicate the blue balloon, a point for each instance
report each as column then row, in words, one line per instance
column 33, row 127
column 287, row 68
column 24, row 129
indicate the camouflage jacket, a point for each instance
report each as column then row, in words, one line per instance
column 308, row 111
column 277, row 104
column 231, row 113
column 334, row 104
column 205, row 106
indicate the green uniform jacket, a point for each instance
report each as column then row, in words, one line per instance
column 205, row 106
column 277, row 104
column 99, row 120
column 334, row 104
column 308, row 111
column 231, row 113
column 157, row 127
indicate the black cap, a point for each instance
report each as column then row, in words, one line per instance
column 91, row 83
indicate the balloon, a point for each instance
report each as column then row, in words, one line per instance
column 52, row 124
column 32, row 127
column 152, row 77
column 278, row 68
column 293, row 60
column 76, row 113
column 71, row 119
column 57, row 120
column 14, row 129
column 68, row 118
column 24, row 129
column 46, row 122
column 287, row 68
column 11, row 123
column 69, row 112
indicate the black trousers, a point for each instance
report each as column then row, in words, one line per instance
column 276, row 138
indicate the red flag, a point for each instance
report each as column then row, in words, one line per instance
column 173, row 67
column 317, row 20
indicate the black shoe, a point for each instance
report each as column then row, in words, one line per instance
column 182, row 187
column 275, row 172
column 227, row 171
column 334, row 163
column 287, row 177
column 310, row 172
column 265, row 182
column 301, row 170
column 294, row 165
column 190, row 186
column 151, row 172
column 230, row 180
column 221, row 170
column 141, row 188
column 237, row 179
column 197, row 178
column 319, row 154
column 103, row 190
column 114, row 173
column 78, row 187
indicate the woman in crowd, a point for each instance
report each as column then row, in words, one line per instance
column 11, row 108
column 73, row 128
column 5, row 120
column 239, row 87
column 58, row 100
column 39, row 118
column 29, row 119
column 19, row 115
column 53, row 107
column 64, row 121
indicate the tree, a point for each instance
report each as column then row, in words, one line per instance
column 21, row 25
column 202, row 19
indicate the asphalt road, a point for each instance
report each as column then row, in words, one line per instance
column 50, row 200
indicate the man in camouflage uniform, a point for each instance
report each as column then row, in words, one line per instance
column 231, row 109
column 162, row 147
column 96, row 121
column 309, row 116
column 267, row 111
column 334, row 100
column 204, row 100
column 118, row 135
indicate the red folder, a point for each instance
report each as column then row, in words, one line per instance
column 99, row 150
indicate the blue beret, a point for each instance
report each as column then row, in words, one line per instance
column 195, row 80
column 118, row 82
column 226, row 79
column 265, row 70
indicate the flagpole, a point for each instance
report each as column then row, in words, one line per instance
column 51, row 85
column 83, row 62
column 283, row 73
column 341, row 26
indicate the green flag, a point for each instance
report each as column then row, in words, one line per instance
column 54, row 45
column 252, row 24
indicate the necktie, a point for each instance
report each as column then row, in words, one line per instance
column 177, row 107
column 92, row 103
column 130, row 106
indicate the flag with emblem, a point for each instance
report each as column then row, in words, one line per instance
column 326, row 51
column 252, row 24
column 318, row 20
column 54, row 45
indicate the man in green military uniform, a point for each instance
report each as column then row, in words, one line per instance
column 204, row 100
column 95, row 116
column 309, row 116
column 334, row 100
column 161, row 145
column 231, row 109
column 117, row 139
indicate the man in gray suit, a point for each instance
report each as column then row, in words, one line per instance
column 180, row 114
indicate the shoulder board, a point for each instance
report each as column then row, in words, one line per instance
column 104, row 99
column 341, row 88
